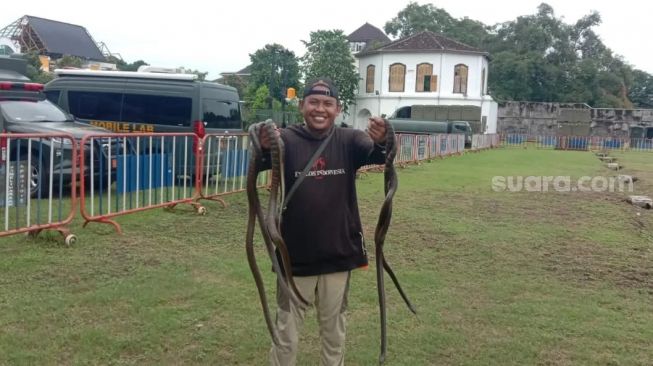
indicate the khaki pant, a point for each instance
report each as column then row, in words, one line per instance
column 329, row 294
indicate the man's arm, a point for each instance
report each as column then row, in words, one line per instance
column 376, row 130
column 370, row 145
column 264, row 140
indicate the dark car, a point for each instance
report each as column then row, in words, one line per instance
column 25, row 109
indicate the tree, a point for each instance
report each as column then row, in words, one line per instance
column 124, row 66
column 70, row 61
column 536, row 57
column 237, row 82
column 201, row 75
column 641, row 91
column 328, row 55
column 416, row 18
column 256, row 101
column 34, row 72
column 275, row 67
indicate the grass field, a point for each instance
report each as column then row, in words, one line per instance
column 499, row 278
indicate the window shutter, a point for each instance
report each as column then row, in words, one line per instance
column 369, row 87
column 460, row 79
column 397, row 77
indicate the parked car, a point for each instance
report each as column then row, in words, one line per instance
column 25, row 109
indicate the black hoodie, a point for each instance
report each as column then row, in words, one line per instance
column 321, row 224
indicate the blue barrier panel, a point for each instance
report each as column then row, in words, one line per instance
column 641, row 144
column 612, row 144
column 515, row 139
column 577, row 143
column 548, row 140
column 233, row 163
column 144, row 165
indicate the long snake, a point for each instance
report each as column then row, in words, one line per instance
column 269, row 225
column 390, row 184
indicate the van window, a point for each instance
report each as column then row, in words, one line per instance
column 403, row 112
column 462, row 128
column 95, row 105
column 155, row 109
column 221, row 114
column 53, row 96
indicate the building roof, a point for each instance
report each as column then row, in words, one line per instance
column 425, row 41
column 65, row 39
column 244, row 72
column 366, row 33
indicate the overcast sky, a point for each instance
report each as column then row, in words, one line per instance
column 218, row 36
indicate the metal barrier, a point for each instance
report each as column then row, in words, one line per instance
column 641, row 144
column 495, row 141
column 127, row 173
column 609, row 143
column 406, row 152
column 547, row 142
column 421, row 147
column 38, row 181
column 225, row 160
column 450, row 144
column 514, row 140
column 578, row 143
column 485, row 141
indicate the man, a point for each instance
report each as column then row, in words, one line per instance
column 321, row 224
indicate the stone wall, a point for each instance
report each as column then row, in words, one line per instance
column 616, row 122
column 536, row 118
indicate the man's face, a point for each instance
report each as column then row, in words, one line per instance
column 320, row 111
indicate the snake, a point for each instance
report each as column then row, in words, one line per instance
column 391, row 184
column 255, row 211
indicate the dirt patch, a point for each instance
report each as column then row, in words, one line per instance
column 551, row 357
column 586, row 263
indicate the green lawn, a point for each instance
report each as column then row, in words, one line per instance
column 499, row 278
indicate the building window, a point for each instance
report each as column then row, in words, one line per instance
column 369, row 81
column 397, row 77
column 483, row 82
column 426, row 81
column 460, row 79
column 356, row 47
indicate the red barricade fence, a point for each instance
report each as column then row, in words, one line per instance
column 38, row 179
column 128, row 173
column 121, row 174
column 225, row 160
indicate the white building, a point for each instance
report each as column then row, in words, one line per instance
column 423, row 69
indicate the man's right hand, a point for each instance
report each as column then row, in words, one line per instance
column 265, row 139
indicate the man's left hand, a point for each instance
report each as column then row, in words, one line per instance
column 376, row 129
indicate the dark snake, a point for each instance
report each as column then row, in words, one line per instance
column 390, row 184
column 269, row 225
